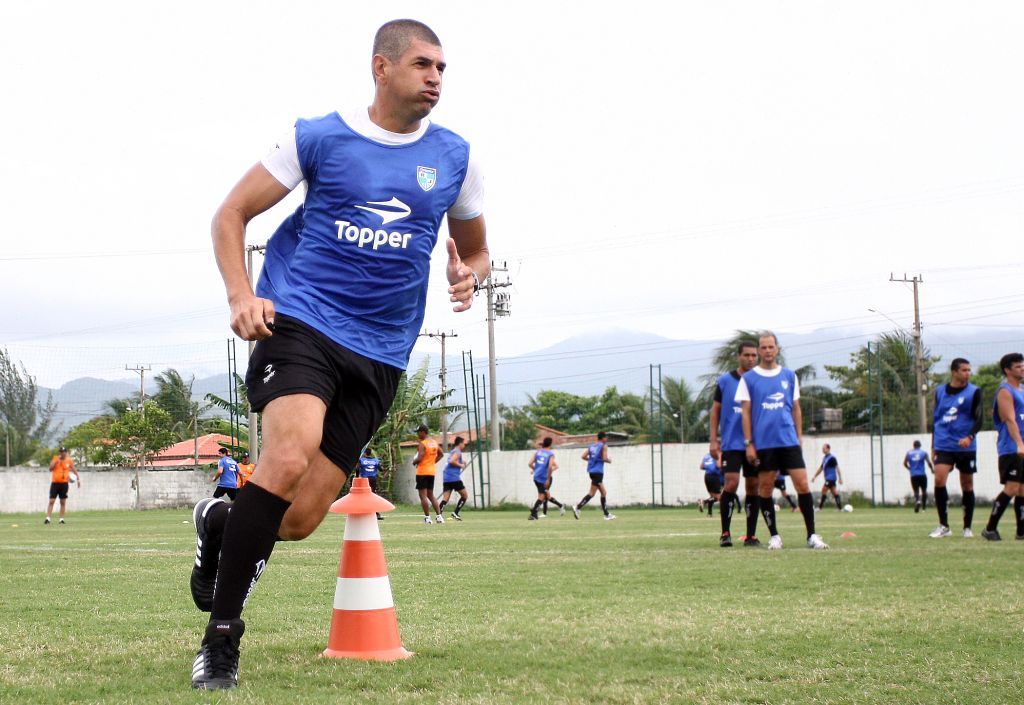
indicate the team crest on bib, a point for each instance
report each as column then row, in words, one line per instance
column 426, row 177
column 785, row 384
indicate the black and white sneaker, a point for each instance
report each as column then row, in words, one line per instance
column 216, row 664
column 204, row 570
column 991, row 535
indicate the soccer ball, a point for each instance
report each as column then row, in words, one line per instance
column 847, row 507
column 777, row 507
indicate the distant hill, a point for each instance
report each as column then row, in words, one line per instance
column 588, row 364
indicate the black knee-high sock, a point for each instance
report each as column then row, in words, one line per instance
column 583, row 502
column 789, row 499
column 536, row 506
column 710, row 503
column 838, row 501
column 752, row 503
column 216, row 519
column 249, row 536
column 545, row 506
column 806, row 502
column 440, row 506
column 968, row 509
column 459, row 505
column 768, row 512
column 555, row 502
column 1018, row 509
column 726, row 510
column 821, row 504
column 999, row 506
column 924, row 498
column 604, row 505
column 942, row 505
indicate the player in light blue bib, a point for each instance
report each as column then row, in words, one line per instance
column 596, row 456
column 915, row 461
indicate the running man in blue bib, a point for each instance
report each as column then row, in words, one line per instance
column 772, row 426
column 226, row 476
column 452, row 479
column 915, row 461
column 830, row 467
column 1008, row 415
column 543, row 466
column 712, row 483
column 339, row 304
column 369, row 467
column 727, row 447
column 956, row 422
column 596, row 456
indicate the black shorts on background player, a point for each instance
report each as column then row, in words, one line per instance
column 735, row 461
column 712, row 483
column 456, row 486
column 919, row 482
column 229, row 491
column 358, row 391
column 781, row 459
column 596, row 478
column 58, row 489
column 541, row 489
column 1011, row 468
column 964, row 461
column 425, row 482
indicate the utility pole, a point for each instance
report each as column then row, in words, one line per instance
column 922, row 407
column 498, row 305
column 142, row 370
column 444, row 384
column 254, row 420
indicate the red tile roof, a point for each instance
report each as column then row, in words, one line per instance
column 184, row 452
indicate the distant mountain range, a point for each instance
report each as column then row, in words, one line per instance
column 584, row 365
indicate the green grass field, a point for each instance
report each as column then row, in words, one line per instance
column 644, row 609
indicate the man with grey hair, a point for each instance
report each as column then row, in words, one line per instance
column 338, row 307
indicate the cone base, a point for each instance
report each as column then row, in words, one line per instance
column 396, row 654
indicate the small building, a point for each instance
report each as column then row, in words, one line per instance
column 204, row 448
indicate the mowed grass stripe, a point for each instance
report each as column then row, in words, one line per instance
column 643, row 609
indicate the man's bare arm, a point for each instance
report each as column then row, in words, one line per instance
column 467, row 254
column 255, row 193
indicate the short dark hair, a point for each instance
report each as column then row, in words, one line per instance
column 223, row 450
column 917, row 444
column 459, row 439
column 601, row 435
column 767, row 334
column 368, row 451
column 422, row 428
column 744, row 344
column 957, row 361
column 1009, row 360
column 546, row 443
column 394, row 37
column 827, row 445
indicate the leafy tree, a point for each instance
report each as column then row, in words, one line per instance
column 519, row 429
column 86, row 440
column 559, row 410
column 174, row 396
column 988, row 378
column 684, row 415
column 136, row 433
column 26, row 421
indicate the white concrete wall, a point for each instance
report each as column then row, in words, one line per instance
column 27, row 489
column 628, row 478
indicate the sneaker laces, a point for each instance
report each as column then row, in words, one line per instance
column 221, row 656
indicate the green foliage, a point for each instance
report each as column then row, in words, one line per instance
column 25, row 421
column 988, row 378
column 87, row 439
column 136, row 434
column 518, row 428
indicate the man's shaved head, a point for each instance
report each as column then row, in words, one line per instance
column 394, row 37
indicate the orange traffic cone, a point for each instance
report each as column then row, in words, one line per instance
column 364, row 625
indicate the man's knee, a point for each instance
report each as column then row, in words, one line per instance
column 295, row 526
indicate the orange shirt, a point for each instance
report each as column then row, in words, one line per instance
column 245, row 472
column 428, row 463
column 60, row 470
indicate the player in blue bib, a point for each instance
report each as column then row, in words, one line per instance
column 452, row 479
column 772, row 427
column 780, row 485
column 369, row 467
column 915, row 461
column 1008, row 415
column 726, row 425
column 830, row 468
column 338, row 306
column 542, row 466
column 712, row 483
column 596, row 456
column 956, row 421
column 227, row 475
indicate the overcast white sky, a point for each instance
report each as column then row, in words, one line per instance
column 680, row 168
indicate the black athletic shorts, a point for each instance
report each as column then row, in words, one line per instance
column 1011, row 468
column 780, row 482
column 425, row 482
column 373, row 483
column 712, row 483
column 781, row 459
column 456, row 486
column 830, row 484
column 596, row 478
column 358, row 391
column 736, row 460
column 919, row 481
column 58, row 489
column 541, row 489
column 962, row 460
column 231, row 492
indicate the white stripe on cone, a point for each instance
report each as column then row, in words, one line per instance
column 362, row 527
column 363, row 593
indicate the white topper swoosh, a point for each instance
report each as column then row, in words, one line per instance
column 388, row 216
